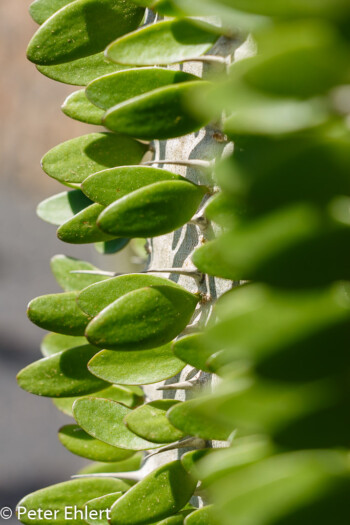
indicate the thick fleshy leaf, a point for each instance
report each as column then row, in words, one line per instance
column 129, row 397
column 82, row 28
column 98, row 509
column 62, row 266
column 190, row 459
column 164, row 43
column 291, row 8
column 77, row 441
column 291, row 488
column 203, row 516
column 82, row 71
column 110, row 185
column 96, row 297
column 54, row 343
column 285, row 247
column 110, row 247
column 164, row 113
column 281, row 327
column 142, row 319
column 185, row 417
column 160, row 494
column 153, row 210
column 78, row 107
column 72, row 161
column 63, row 498
column 191, row 350
column 136, row 368
column 61, row 375
column 130, row 464
column 41, row 10
column 82, row 228
column 62, row 207
column 150, row 422
column 58, row 313
column 117, row 87
column 104, row 420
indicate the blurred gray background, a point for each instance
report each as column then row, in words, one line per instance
column 31, row 456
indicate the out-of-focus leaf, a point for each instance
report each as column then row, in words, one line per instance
column 142, row 319
column 54, row 343
column 62, row 207
column 104, row 420
column 81, row 71
column 191, row 350
column 72, row 161
column 82, row 28
column 110, row 247
column 166, row 42
column 41, row 10
column 78, row 107
column 163, row 113
column 149, row 422
column 160, row 494
column 67, row 495
column 115, row 88
column 61, row 375
column 62, row 266
column 203, row 516
column 82, row 228
column 290, row 7
column 136, row 368
column 110, row 185
column 58, row 313
column 77, row 441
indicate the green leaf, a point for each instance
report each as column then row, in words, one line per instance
column 283, row 248
column 142, row 319
column 165, row 42
column 191, row 350
column 136, row 368
column 189, row 420
column 63, row 496
column 115, row 88
column 96, row 297
column 77, row 441
column 110, row 247
column 104, row 420
column 276, row 330
column 163, row 113
column 61, row 375
column 61, row 266
column 98, row 508
column 289, row 488
column 149, row 422
column 41, row 10
column 126, row 465
column 58, row 313
column 203, row 516
column 62, row 207
column 190, row 460
column 78, row 107
column 160, row 494
column 72, row 161
column 153, row 210
column 291, row 8
column 82, row 228
column 82, row 28
column 110, row 185
column 125, row 396
column 54, row 343
column 82, row 71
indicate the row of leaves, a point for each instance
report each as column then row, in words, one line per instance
column 280, row 346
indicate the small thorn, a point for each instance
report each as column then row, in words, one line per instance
column 201, row 221
column 190, row 272
column 210, row 59
column 95, row 272
column 190, row 163
column 194, row 442
column 183, row 385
